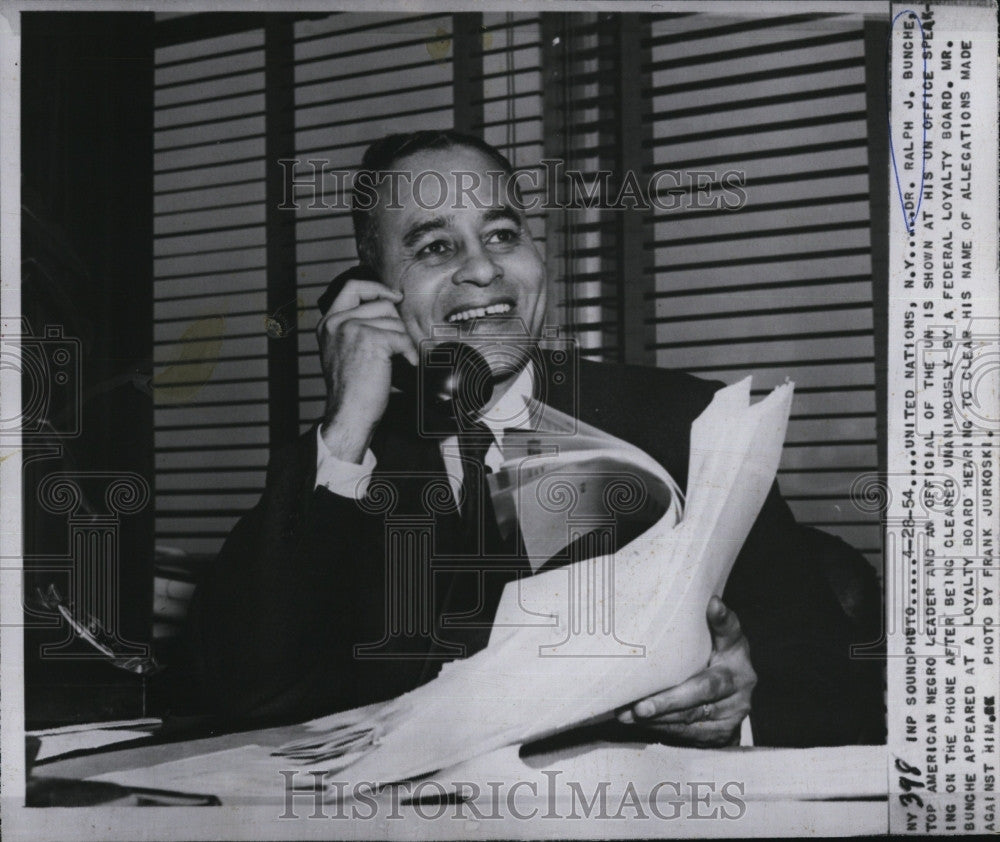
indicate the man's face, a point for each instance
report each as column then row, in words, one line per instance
column 467, row 261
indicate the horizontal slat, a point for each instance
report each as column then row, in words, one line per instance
column 235, row 260
column 833, row 401
column 769, row 351
column 780, row 163
column 195, row 51
column 209, row 132
column 370, row 65
column 222, row 174
column 340, row 34
column 721, row 56
column 725, row 97
column 528, row 125
column 169, row 504
column 309, row 411
column 805, row 374
column 202, row 198
column 313, row 279
column 831, row 430
column 247, row 434
column 350, row 141
column 812, row 458
column 238, row 105
column 690, row 152
column 166, row 417
column 764, row 247
column 435, row 93
column 799, row 271
column 737, row 224
column 677, row 129
column 229, row 330
column 763, row 353
column 247, row 82
column 252, row 457
column 191, row 222
column 208, row 153
column 181, row 481
column 201, row 286
column 836, row 510
column 248, row 391
column 220, row 241
column 738, row 327
column 311, row 386
column 225, row 371
column 320, row 29
column 733, row 303
column 692, row 28
column 326, row 251
column 750, row 54
column 525, row 77
column 677, row 191
column 248, row 56
column 221, row 305
column 805, row 484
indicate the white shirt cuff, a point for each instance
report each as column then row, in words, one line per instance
column 746, row 732
column 347, row 479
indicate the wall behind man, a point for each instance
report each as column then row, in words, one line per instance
column 86, row 234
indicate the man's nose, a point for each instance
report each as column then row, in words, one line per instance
column 478, row 267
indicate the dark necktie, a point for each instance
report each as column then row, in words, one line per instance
column 490, row 560
column 480, row 535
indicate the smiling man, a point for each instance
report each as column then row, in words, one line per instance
column 342, row 586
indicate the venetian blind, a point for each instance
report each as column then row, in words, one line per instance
column 210, row 348
column 780, row 287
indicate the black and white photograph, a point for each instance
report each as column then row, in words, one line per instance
column 499, row 420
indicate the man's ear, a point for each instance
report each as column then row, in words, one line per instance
column 361, row 272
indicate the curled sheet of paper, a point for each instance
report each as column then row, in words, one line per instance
column 571, row 645
column 565, row 476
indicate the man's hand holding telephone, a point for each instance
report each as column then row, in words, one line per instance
column 365, row 348
column 358, row 336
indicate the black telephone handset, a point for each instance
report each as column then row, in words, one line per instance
column 454, row 381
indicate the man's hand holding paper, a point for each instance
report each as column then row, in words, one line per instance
column 708, row 709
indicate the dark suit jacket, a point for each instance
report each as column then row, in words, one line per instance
column 302, row 579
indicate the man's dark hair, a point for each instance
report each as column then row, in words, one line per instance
column 383, row 154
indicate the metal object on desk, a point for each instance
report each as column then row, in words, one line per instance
column 87, row 627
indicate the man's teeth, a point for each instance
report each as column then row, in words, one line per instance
column 479, row 312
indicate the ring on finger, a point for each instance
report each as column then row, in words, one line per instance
column 706, row 711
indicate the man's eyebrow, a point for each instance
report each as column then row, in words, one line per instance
column 503, row 212
column 415, row 232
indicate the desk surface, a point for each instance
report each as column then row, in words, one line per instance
column 632, row 790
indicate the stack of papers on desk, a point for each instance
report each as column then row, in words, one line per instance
column 545, row 669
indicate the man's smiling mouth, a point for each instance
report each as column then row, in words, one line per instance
column 498, row 309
